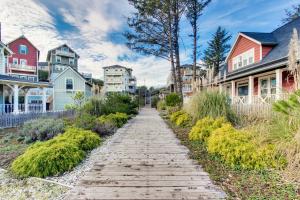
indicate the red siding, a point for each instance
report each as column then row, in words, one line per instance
column 255, row 90
column 266, row 50
column 31, row 57
column 242, row 45
column 287, row 82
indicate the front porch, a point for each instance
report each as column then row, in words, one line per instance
column 14, row 97
column 263, row 88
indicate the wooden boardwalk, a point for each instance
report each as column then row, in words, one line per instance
column 146, row 161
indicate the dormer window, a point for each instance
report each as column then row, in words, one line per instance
column 244, row 59
column 23, row 49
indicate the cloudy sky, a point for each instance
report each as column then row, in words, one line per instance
column 94, row 29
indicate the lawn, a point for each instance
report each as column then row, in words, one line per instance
column 10, row 146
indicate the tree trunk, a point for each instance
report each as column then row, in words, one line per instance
column 194, row 57
column 176, row 46
column 172, row 49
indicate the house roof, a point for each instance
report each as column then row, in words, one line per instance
column 6, row 48
column 70, row 68
column 117, row 66
column 19, row 80
column 48, row 54
column 278, row 54
column 263, row 38
column 43, row 64
column 23, row 37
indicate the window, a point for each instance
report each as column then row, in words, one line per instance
column 23, row 49
column 243, row 59
column 58, row 59
column 273, row 85
column 66, row 49
column 30, row 78
column 71, row 61
column 15, row 61
column 243, row 90
column 263, row 87
column 23, row 62
column 69, row 84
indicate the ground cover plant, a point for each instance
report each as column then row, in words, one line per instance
column 57, row 155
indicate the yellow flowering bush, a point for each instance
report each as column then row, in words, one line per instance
column 203, row 128
column 238, row 150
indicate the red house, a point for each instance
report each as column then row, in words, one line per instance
column 256, row 66
column 23, row 63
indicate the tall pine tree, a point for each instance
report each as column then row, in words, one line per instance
column 292, row 14
column 218, row 47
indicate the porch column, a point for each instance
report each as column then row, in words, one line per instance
column 26, row 101
column 16, row 99
column 278, row 83
column 232, row 89
column 44, row 100
column 250, row 89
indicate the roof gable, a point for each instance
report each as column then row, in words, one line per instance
column 63, row 45
column 23, row 37
column 76, row 72
column 262, row 38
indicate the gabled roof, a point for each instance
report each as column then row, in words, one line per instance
column 80, row 75
column 263, row 38
column 279, row 53
column 48, row 54
column 6, row 48
column 23, row 37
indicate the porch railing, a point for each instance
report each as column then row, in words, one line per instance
column 259, row 99
column 9, row 108
column 12, row 120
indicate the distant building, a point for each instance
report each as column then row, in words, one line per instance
column 87, row 76
column 61, row 58
column 187, row 80
column 43, row 66
column 119, row 79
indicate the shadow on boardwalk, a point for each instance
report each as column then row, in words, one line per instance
column 146, row 161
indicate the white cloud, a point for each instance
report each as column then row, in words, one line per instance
column 94, row 21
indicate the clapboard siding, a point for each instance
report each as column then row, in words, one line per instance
column 63, row 97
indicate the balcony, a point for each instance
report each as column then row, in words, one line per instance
column 65, row 53
column 21, row 67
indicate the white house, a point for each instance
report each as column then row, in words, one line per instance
column 119, row 79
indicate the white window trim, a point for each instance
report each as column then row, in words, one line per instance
column 15, row 59
column 66, row 83
column 23, row 45
column 269, row 83
column 23, row 60
column 57, row 59
column 241, row 57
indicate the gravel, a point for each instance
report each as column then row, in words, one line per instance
column 30, row 188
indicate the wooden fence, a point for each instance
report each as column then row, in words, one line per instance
column 14, row 120
column 253, row 110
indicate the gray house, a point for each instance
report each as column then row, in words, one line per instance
column 66, row 85
column 61, row 58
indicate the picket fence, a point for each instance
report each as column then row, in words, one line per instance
column 15, row 120
column 263, row 111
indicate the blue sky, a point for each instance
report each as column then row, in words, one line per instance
column 94, row 29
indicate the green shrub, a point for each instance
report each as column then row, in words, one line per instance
column 203, row 128
column 85, row 121
column 210, row 103
column 84, row 139
column 154, row 101
column 42, row 129
column 95, row 106
column 183, row 120
column 45, row 159
column 55, row 156
column 238, row 151
column 121, row 103
column 161, row 105
column 117, row 119
column 173, row 99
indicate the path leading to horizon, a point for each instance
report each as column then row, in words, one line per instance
column 146, row 161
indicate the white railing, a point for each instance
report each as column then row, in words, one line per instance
column 65, row 53
column 9, row 108
column 22, row 67
column 258, row 99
